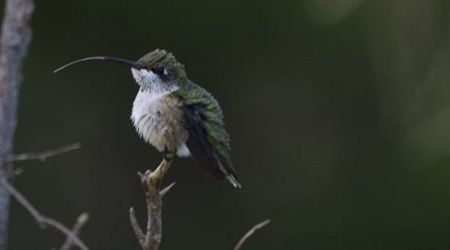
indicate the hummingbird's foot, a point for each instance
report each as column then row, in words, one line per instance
column 168, row 155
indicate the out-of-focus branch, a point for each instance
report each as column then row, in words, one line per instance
column 40, row 156
column 14, row 41
column 81, row 221
column 44, row 155
column 40, row 219
column 151, row 181
column 250, row 233
column 43, row 221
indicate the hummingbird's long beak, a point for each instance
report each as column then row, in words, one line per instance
column 130, row 63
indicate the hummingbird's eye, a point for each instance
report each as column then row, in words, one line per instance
column 161, row 71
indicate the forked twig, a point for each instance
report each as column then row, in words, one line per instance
column 42, row 156
column 81, row 221
column 250, row 233
column 151, row 181
column 40, row 219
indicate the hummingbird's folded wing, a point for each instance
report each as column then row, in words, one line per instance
column 208, row 140
column 198, row 144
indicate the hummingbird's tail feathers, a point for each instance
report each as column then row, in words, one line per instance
column 232, row 179
column 228, row 172
column 207, row 159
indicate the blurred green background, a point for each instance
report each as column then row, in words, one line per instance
column 339, row 114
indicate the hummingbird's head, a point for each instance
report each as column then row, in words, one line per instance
column 159, row 69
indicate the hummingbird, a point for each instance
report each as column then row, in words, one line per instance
column 170, row 109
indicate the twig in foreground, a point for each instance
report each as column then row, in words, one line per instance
column 250, row 233
column 42, row 220
column 42, row 156
column 81, row 221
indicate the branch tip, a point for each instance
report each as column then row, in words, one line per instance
column 163, row 192
column 250, row 233
column 44, row 155
column 82, row 219
column 136, row 228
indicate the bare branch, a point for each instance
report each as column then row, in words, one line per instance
column 166, row 189
column 81, row 221
column 40, row 219
column 14, row 41
column 151, row 182
column 250, row 233
column 154, row 205
column 136, row 228
column 42, row 156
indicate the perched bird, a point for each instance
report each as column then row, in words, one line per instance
column 170, row 109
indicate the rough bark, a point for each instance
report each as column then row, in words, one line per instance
column 14, row 41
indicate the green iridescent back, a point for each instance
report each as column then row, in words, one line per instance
column 212, row 117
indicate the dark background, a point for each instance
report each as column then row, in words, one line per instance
column 339, row 113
